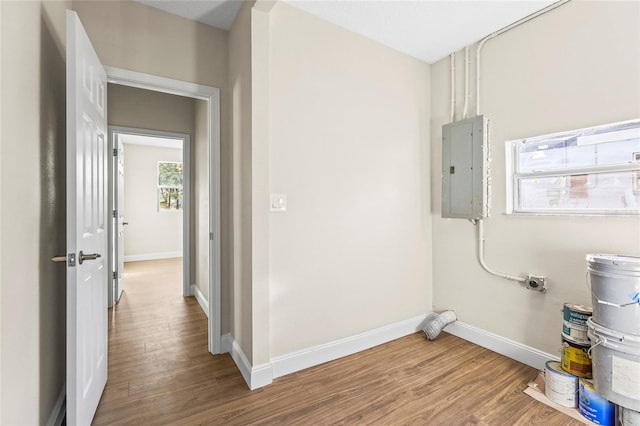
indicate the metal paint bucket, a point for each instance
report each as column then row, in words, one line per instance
column 560, row 386
column 574, row 322
column 628, row 417
column 616, row 365
column 615, row 291
column 575, row 358
column 593, row 406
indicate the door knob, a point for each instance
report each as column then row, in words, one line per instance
column 82, row 257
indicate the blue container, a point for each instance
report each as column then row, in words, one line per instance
column 593, row 406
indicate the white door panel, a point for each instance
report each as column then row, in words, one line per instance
column 86, row 226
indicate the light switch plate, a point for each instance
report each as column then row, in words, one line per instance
column 278, row 203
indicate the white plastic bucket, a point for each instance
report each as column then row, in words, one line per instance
column 616, row 365
column 615, row 291
column 627, row 417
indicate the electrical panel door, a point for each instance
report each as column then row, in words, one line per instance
column 464, row 169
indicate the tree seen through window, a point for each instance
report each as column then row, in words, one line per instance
column 170, row 185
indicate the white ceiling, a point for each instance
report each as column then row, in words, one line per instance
column 426, row 29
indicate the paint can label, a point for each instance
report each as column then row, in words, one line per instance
column 594, row 407
column 574, row 332
column 575, row 359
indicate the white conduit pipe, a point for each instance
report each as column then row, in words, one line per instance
column 453, row 86
column 466, row 83
column 497, row 33
column 481, row 238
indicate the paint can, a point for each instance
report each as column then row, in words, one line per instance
column 628, row 417
column 615, row 291
column 575, row 358
column 616, row 365
column 574, row 322
column 595, row 407
column 560, row 386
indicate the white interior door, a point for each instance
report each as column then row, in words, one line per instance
column 86, row 226
column 120, row 223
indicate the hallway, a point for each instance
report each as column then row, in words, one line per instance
column 159, row 366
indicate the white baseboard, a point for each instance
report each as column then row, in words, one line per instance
column 262, row 375
column 226, row 343
column 509, row 348
column 296, row 361
column 59, row 409
column 204, row 304
column 255, row 377
column 152, row 256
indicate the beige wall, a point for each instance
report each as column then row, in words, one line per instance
column 349, row 146
column 576, row 66
column 137, row 37
column 146, row 109
column 32, row 195
column 150, row 230
column 240, row 88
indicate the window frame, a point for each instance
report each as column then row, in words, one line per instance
column 514, row 175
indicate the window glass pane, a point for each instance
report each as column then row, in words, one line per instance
column 170, row 191
column 589, row 147
column 588, row 192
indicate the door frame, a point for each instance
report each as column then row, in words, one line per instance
column 186, row 207
column 212, row 96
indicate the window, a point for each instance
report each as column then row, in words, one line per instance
column 594, row 171
column 170, row 193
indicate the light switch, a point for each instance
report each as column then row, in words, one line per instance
column 278, row 203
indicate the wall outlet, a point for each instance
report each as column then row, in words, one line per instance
column 537, row 283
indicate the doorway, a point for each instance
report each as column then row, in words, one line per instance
column 151, row 200
column 211, row 97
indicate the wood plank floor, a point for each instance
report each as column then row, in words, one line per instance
column 161, row 373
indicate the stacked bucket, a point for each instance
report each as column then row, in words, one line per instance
column 614, row 331
column 602, row 344
column 568, row 382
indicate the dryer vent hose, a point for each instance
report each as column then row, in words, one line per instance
column 438, row 323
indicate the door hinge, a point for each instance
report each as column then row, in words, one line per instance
column 211, row 236
column 115, row 152
column 114, row 214
column 114, row 275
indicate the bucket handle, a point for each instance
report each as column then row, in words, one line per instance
column 634, row 297
column 593, row 346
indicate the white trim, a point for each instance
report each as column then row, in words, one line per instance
column 296, row 361
column 59, row 409
column 212, row 96
column 152, row 256
column 144, row 140
column 255, row 377
column 157, row 83
column 226, row 343
column 509, row 348
column 195, row 291
column 262, row 375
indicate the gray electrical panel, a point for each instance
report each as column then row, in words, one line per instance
column 464, row 168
